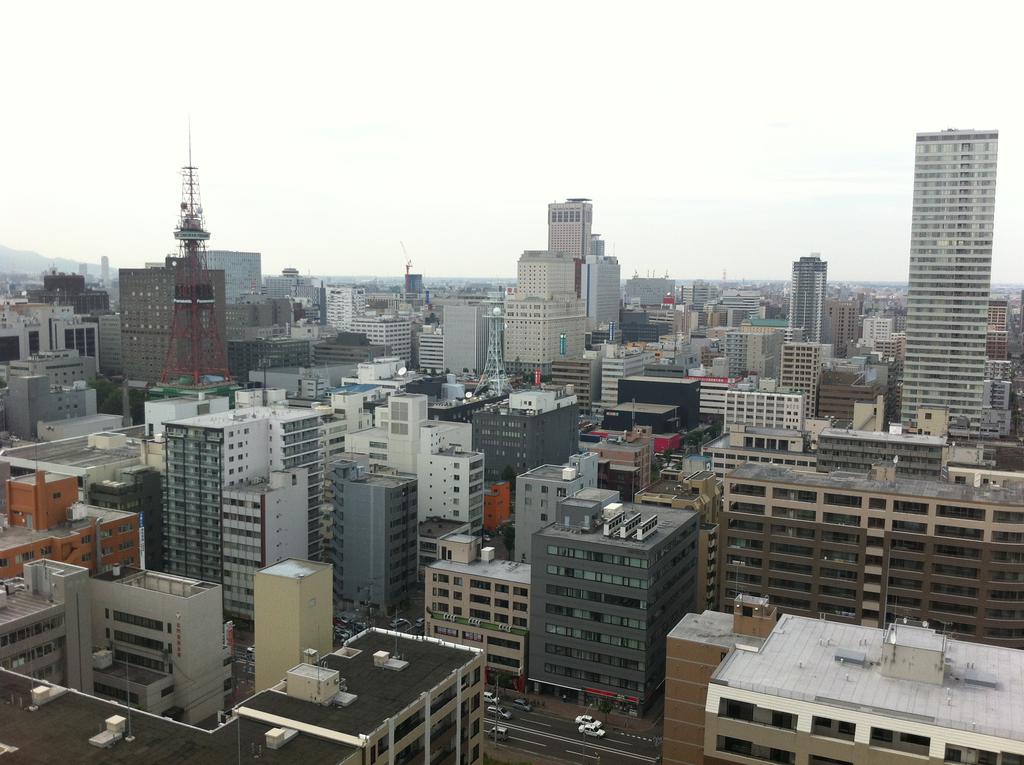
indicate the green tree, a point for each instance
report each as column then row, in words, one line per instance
column 508, row 473
column 508, row 536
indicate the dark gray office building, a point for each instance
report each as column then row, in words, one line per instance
column 610, row 580
column 266, row 352
column 137, row 489
column 376, row 535
column 531, row 428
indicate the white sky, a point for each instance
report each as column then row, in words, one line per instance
column 710, row 136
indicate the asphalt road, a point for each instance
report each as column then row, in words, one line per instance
column 547, row 737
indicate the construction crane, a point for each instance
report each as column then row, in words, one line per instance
column 408, row 267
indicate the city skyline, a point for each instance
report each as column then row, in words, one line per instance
column 329, row 157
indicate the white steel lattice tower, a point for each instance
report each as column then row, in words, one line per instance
column 495, row 378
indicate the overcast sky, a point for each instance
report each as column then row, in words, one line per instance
column 711, row 136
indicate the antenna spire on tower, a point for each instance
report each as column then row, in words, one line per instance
column 196, row 351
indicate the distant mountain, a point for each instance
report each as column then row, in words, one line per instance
column 28, row 262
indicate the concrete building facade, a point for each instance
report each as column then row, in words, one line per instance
column 764, row 409
column 530, row 428
column 870, row 550
column 540, row 489
column 950, row 278
column 147, row 307
column 243, row 274
column 468, row 325
column 474, row 600
column 608, row 582
column 213, row 452
column 375, row 531
column 807, row 296
column 800, row 370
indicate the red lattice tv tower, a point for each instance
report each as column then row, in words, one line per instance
column 196, row 352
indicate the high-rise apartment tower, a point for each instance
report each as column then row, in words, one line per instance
column 807, row 296
column 950, row 274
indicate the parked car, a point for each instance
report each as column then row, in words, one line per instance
column 523, row 705
column 587, row 720
column 500, row 733
column 495, row 711
column 420, row 621
column 400, row 624
column 490, row 697
column 592, row 730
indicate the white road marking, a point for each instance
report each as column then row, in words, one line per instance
column 590, row 745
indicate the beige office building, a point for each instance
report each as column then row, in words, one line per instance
column 477, row 601
column 293, row 612
column 800, row 369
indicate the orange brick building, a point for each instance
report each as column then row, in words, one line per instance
column 497, row 505
column 45, row 520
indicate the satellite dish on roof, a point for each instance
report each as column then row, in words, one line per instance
column 402, row 371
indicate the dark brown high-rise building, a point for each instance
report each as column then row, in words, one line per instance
column 69, row 289
column 868, row 549
column 147, row 304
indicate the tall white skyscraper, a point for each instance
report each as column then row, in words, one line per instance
column 807, row 296
column 569, row 225
column 601, row 288
column 343, row 305
column 950, row 274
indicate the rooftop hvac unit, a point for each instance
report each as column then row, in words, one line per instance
column 278, row 737
column 102, row 659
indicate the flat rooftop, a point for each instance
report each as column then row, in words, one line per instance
column 671, row 488
column 551, row 472
column 666, row 380
column 77, row 717
column 354, row 388
column 25, row 605
column 506, row 570
column 838, row 480
column 234, row 416
column 669, row 520
column 382, row 693
column 295, row 568
column 169, row 584
column 388, row 480
column 798, row 661
column 16, row 536
column 711, row 628
column 915, row 439
column 75, row 453
column 632, row 406
column 438, row 527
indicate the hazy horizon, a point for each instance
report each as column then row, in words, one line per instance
column 717, row 138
